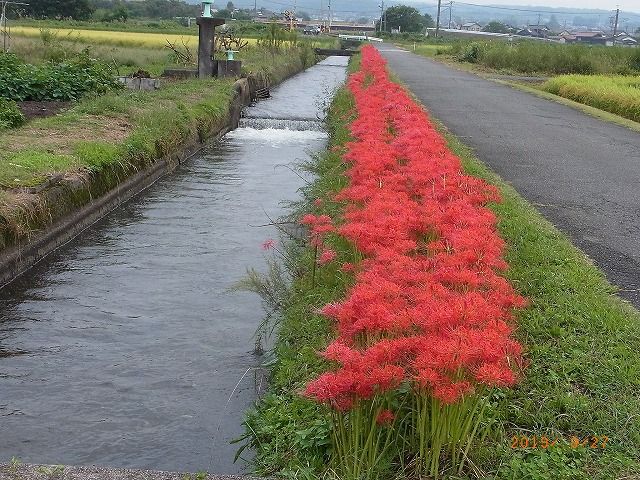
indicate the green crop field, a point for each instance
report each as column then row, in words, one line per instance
column 615, row 94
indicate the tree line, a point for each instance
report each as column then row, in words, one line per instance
column 400, row 17
column 109, row 10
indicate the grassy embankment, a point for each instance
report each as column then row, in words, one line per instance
column 537, row 58
column 583, row 374
column 101, row 140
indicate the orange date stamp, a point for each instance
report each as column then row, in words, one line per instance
column 523, row 442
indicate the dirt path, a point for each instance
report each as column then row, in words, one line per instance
column 581, row 173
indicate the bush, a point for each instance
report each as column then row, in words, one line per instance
column 54, row 81
column 471, row 53
column 10, row 114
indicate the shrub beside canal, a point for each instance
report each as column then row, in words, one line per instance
column 54, row 81
column 567, row 395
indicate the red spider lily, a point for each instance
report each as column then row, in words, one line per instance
column 429, row 307
column 268, row 244
column 327, row 256
column 385, row 417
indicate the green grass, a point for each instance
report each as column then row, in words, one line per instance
column 535, row 58
column 425, row 49
column 615, row 94
column 26, row 166
column 155, row 123
column 583, row 376
column 581, row 340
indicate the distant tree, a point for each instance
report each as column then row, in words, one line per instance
column 496, row 27
column 429, row 22
column 407, row 19
column 230, row 6
column 304, row 16
column 117, row 13
column 76, row 9
column 244, row 15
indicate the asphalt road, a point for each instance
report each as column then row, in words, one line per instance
column 581, row 173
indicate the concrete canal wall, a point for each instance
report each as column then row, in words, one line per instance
column 73, row 204
column 60, row 472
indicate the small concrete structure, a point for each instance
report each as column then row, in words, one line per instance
column 145, row 84
column 228, row 68
column 207, row 29
column 180, row 73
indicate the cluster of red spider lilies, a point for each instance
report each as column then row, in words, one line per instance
column 428, row 323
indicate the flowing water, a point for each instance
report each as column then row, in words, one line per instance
column 127, row 347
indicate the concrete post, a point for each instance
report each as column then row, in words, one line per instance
column 207, row 28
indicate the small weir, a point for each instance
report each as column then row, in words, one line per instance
column 128, row 347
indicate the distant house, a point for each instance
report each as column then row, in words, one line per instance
column 524, row 32
column 471, row 27
column 591, row 38
column 539, row 31
column 626, row 40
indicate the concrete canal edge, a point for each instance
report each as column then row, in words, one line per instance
column 68, row 222
column 60, row 472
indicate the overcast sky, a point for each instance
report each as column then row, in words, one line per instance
column 629, row 5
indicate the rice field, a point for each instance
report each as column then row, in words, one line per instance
column 613, row 93
column 120, row 39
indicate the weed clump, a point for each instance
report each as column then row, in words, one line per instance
column 54, row 81
column 10, row 114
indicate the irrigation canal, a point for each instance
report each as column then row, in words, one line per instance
column 126, row 347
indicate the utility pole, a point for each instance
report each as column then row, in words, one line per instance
column 438, row 19
column 3, row 26
column 6, row 37
column 381, row 16
column 450, row 13
column 329, row 14
column 255, row 6
column 615, row 26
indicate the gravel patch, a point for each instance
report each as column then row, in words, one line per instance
column 60, row 472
